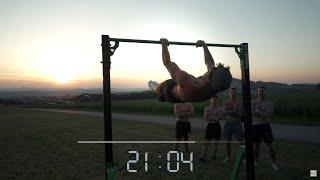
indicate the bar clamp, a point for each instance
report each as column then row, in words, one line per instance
column 114, row 47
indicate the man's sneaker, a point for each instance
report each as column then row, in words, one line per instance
column 274, row 167
column 226, row 160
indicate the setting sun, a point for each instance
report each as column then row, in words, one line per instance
column 62, row 78
column 62, row 64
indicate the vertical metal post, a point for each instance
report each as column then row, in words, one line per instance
column 106, row 56
column 237, row 163
column 246, row 95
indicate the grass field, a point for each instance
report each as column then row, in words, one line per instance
column 300, row 108
column 43, row 145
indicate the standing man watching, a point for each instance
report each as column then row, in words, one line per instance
column 262, row 111
column 212, row 114
column 183, row 111
column 232, row 111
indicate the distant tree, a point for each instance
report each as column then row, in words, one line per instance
column 318, row 86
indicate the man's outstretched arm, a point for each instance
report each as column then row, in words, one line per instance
column 208, row 59
column 165, row 52
column 171, row 66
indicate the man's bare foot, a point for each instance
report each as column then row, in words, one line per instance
column 154, row 86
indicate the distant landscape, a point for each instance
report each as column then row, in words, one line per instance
column 273, row 87
column 297, row 103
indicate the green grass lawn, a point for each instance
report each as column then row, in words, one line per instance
column 43, row 145
column 154, row 107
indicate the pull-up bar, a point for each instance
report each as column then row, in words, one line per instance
column 170, row 42
column 241, row 50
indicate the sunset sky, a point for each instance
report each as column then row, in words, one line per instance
column 56, row 44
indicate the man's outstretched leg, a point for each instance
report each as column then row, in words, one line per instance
column 272, row 154
column 176, row 145
column 256, row 152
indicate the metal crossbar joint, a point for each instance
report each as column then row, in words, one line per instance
column 113, row 48
column 237, row 49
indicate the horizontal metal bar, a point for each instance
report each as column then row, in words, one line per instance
column 157, row 142
column 134, row 142
column 170, row 42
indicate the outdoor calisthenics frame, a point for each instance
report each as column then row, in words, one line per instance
column 242, row 51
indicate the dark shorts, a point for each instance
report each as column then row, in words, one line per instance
column 213, row 131
column 262, row 132
column 182, row 130
column 231, row 129
column 166, row 92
